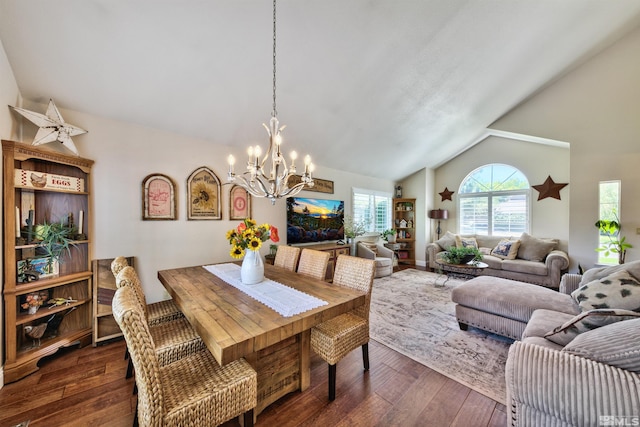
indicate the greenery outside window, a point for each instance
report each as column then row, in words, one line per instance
column 609, row 208
column 494, row 200
column 373, row 208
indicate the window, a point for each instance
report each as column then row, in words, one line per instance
column 373, row 208
column 609, row 201
column 494, row 200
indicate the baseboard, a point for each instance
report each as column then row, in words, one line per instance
column 420, row 263
column 1, row 376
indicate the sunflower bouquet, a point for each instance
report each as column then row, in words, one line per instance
column 249, row 236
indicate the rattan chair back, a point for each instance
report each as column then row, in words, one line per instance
column 129, row 278
column 130, row 318
column 313, row 263
column 287, row 257
column 356, row 273
column 118, row 264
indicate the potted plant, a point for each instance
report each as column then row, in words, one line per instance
column 616, row 243
column 53, row 240
column 389, row 235
column 462, row 255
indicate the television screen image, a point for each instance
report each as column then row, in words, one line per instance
column 314, row 220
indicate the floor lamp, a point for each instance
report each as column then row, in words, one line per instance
column 438, row 214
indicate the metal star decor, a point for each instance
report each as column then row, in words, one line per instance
column 549, row 189
column 52, row 127
column 446, row 194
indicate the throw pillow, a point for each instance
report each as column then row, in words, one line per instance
column 587, row 321
column 618, row 290
column 534, row 249
column 506, row 249
column 371, row 246
column 616, row 345
column 599, row 272
column 446, row 241
column 466, row 242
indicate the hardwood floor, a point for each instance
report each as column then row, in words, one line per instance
column 87, row 386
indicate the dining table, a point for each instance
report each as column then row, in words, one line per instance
column 233, row 324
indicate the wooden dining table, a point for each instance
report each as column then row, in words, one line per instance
column 234, row 325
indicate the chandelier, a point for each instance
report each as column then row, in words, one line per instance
column 275, row 183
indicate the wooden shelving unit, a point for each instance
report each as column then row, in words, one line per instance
column 105, row 327
column 404, row 220
column 73, row 279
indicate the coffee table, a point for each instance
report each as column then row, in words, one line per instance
column 465, row 271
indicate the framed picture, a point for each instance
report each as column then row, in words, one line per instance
column 158, row 198
column 41, row 266
column 203, row 195
column 239, row 203
column 319, row 185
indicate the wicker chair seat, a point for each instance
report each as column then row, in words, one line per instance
column 175, row 340
column 162, row 312
column 334, row 339
column 197, row 391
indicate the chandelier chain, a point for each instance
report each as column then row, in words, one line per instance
column 274, row 113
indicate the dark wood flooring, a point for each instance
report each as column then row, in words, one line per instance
column 87, row 387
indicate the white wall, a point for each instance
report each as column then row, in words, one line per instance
column 549, row 217
column 125, row 153
column 596, row 108
column 9, row 95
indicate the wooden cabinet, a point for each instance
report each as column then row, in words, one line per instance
column 50, row 187
column 334, row 250
column 404, row 220
column 105, row 327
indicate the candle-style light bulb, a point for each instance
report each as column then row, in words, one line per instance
column 257, row 151
column 312, row 167
column 232, row 161
column 307, row 162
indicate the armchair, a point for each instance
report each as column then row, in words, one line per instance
column 382, row 256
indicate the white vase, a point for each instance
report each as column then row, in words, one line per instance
column 33, row 309
column 252, row 270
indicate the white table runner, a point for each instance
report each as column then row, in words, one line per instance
column 281, row 298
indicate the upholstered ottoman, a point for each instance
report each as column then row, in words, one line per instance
column 504, row 306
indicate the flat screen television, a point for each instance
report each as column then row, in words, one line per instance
column 314, row 220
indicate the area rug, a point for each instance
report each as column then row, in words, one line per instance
column 412, row 313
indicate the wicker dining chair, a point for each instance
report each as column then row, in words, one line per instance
column 195, row 390
column 334, row 339
column 173, row 339
column 157, row 312
column 287, row 257
column 313, row 263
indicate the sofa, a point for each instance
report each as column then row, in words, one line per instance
column 576, row 358
column 580, row 370
column 382, row 256
column 525, row 258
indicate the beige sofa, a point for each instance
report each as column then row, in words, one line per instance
column 538, row 261
column 591, row 379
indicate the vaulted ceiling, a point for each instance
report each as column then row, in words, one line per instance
column 380, row 88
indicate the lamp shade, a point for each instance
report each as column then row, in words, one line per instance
column 438, row 214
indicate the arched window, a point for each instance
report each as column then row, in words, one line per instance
column 494, row 200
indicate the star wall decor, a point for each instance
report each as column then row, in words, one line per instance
column 446, row 194
column 549, row 189
column 52, row 127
